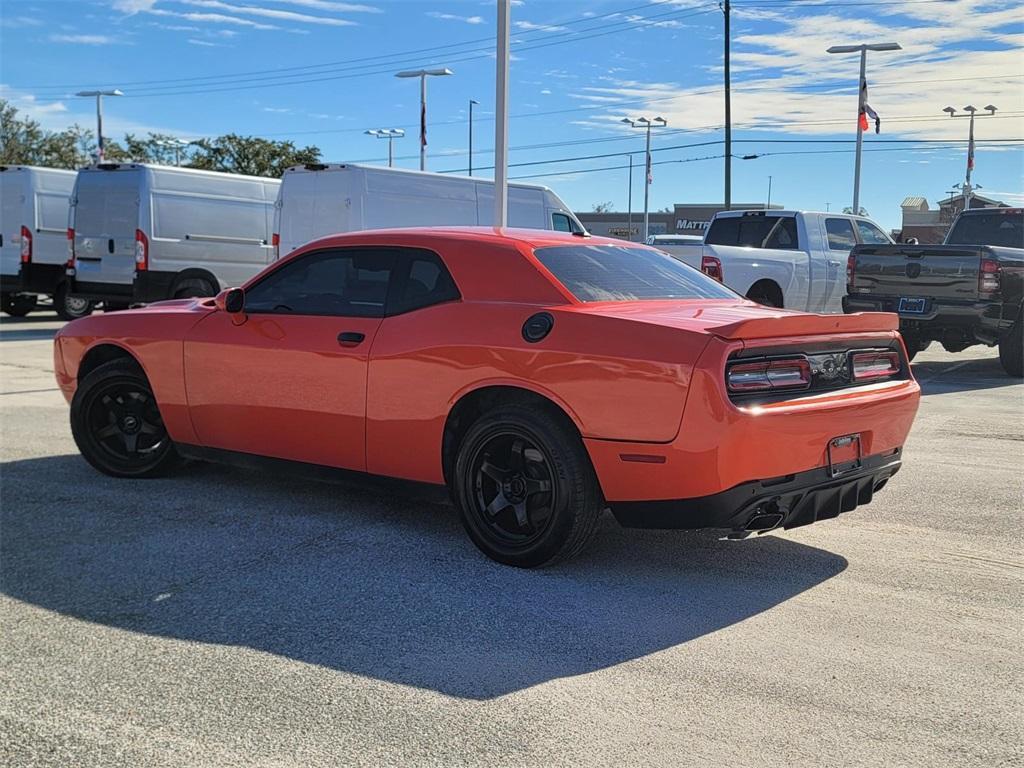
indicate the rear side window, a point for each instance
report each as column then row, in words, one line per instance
column 422, row 282
column 619, row 273
column 1004, row 229
column 840, row 234
column 754, row 232
column 869, row 233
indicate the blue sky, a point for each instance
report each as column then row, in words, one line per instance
column 321, row 72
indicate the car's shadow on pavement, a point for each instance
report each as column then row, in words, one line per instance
column 379, row 586
column 942, row 377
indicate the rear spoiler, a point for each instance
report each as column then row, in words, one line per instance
column 786, row 326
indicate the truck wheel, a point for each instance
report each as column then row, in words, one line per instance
column 18, row 304
column 767, row 293
column 117, row 425
column 70, row 307
column 525, row 488
column 194, row 287
column 1011, row 351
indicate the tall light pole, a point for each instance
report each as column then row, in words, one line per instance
column 472, row 102
column 728, row 111
column 423, row 74
column 504, row 14
column 647, row 123
column 862, row 49
column 767, row 207
column 390, row 134
column 177, row 145
column 629, row 203
column 99, row 116
column 970, row 110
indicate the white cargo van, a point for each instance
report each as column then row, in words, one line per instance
column 145, row 233
column 33, row 240
column 320, row 199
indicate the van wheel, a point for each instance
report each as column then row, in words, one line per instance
column 18, row 304
column 194, row 287
column 525, row 488
column 70, row 307
column 1011, row 351
column 117, row 425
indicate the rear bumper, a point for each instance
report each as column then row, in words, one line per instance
column 783, row 502
column 984, row 320
column 147, row 287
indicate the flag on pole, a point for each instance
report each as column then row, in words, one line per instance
column 423, row 124
column 970, row 149
column 866, row 111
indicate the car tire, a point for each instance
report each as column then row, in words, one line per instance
column 18, row 304
column 117, row 425
column 525, row 489
column 70, row 307
column 115, row 306
column 194, row 287
column 1011, row 351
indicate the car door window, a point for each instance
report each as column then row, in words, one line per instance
column 783, row 235
column 840, row 234
column 561, row 222
column 342, row 282
column 424, row 283
column 871, row 234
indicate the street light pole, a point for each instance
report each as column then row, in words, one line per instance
column 863, row 49
column 728, row 112
column 647, row 123
column 629, row 202
column 390, row 134
column 970, row 110
column 472, row 102
column 501, row 114
column 423, row 74
column 769, row 193
column 99, row 116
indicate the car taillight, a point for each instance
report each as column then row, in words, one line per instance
column 874, row 365
column 712, row 267
column 768, row 375
column 851, row 271
column 275, row 240
column 989, row 277
column 141, row 251
column 26, row 245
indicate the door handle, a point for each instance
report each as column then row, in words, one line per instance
column 834, row 263
column 351, row 338
column 110, row 245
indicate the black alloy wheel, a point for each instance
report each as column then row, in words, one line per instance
column 117, row 425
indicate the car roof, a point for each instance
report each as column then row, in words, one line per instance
column 536, row 238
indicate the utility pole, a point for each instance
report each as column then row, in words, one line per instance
column 177, row 145
column 967, row 189
column 99, row 117
column 728, row 114
column 390, row 134
column 769, row 193
column 629, row 202
column 862, row 49
column 471, row 103
column 423, row 74
column 501, row 115
column 647, row 123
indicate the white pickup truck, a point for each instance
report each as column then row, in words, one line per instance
column 791, row 259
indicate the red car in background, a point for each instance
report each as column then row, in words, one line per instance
column 542, row 377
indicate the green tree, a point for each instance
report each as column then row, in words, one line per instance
column 250, row 155
column 603, row 207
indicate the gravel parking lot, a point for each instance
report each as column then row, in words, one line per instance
column 222, row 618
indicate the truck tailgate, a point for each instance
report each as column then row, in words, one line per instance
column 935, row 271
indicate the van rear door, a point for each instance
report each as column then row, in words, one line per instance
column 13, row 185
column 105, row 217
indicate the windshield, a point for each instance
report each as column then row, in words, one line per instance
column 1005, row 229
column 621, row 273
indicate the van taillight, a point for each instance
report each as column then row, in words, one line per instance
column 71, row 247
column 141, row 251
column 851, row 271
column 769, row 375
column 874, row 365
column 26, row 245
column 275, row 240
column 989, row 277
column 712, row 267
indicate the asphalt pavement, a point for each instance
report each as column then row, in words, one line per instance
column 223, row 618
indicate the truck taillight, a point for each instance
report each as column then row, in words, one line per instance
column 874, row 365
column 769, row 375
column 712, row 267
column 141, row 251
column 275, row 240
column 851, row 271
column 989, row 277
column 26, row 245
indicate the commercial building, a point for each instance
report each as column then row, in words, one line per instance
column 684, row 219
column 929, row 225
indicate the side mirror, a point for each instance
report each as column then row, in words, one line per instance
column 230, row 300
column 911, row 241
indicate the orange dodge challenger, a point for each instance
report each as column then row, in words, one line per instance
column 542, row 377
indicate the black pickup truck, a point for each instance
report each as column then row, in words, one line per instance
column 969, row 290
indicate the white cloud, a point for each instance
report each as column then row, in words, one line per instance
column 133, row 6
column 20, row 21
column 212, row 18
column 330, row 5
column 529, row 26
column 545, row 92
column 204, row 43
column 86, row 39
column 269, row 13
column 454, row 17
